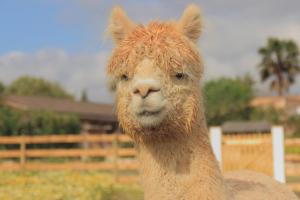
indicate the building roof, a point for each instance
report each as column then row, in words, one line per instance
column 85, row 110
column 277, row 102
column 246, row 127
column 290, row 104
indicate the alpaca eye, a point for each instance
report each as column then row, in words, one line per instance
column 124, row 77
column 180, row 76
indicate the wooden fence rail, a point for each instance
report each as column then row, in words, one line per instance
column 104, row 152
column 47, row 139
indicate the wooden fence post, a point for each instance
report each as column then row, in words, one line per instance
column 278, row 153
column 85, row 146
column 85, row 131
column 115, row 157
column 23, row 152
column 215, row 134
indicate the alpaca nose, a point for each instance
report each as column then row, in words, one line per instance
column 145, row 90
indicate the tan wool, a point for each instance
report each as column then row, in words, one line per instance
column 156, row 71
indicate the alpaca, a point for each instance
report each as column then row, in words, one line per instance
column 155, row 71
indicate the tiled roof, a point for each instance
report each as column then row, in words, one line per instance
column 290, row 104
column 85, row 110
column 276, row 102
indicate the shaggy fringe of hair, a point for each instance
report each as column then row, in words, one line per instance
column 162, row 42
column 172, row 52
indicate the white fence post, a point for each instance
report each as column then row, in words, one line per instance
column 278, row 153
column 215, row 134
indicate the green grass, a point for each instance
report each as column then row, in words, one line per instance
column 64, row 185
column 69, row 185
column 294, row 179
column 292, row 150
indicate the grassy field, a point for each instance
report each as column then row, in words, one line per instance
column 294, row 179
column 64, row 185
column 69, row 185
column 292, row 150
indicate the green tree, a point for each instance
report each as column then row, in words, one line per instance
column 246, row 79
column 270, row 114
column 279, row 63
column 293, row 124
column 39, row 122
column 9, row 121
column 2, row 88
column 227, row 99
column 36, row 122
column 32, row 86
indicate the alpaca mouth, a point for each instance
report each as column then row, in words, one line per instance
column 149, row 113
column 150, row 118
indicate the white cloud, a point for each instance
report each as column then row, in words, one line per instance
column 75, row 72
column 234, row 31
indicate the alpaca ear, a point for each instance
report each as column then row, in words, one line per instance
column 119, row 24
column 190, row 23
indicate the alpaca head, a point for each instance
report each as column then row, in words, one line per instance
column 155, row 71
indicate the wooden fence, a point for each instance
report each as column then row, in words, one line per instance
column 254, row 152
column 110, row 153
column 247, row 151
column 115, row 153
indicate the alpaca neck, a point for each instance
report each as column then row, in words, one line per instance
column 181, row 168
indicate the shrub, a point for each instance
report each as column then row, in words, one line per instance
column 227, row 99
column 32, row 86
column 36, row 122
column 293, row 124
column 266, row 114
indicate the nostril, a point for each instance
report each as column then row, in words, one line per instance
column 144, row 91
column 136, row 91
column 149, row 91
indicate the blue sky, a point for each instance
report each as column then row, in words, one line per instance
column 66, row 40
column 34, row 24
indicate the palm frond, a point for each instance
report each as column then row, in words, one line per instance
column 280, row 61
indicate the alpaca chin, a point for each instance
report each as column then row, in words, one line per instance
column 151, row 120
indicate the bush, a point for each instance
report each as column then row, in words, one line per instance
column 14, row 123
column 2, row 88
column 46, row 122
column 9, row 121
column 36, row 122
column 266, row 114
column 32, row 86
column 293, row 124
column 227, row 99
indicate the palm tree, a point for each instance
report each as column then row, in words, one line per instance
column 280, row 63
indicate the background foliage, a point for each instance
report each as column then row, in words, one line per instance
column 36, row 122
column 227, row 99
column 65, row 185
column 32, row 86
column 266, row 114
column 280, row 63
column 2, row 88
